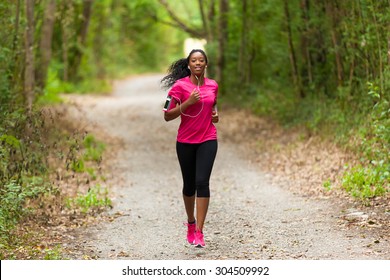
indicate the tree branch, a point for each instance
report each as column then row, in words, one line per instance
column 179, row 23
column 204, row 20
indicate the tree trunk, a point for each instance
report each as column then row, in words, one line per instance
column 244, row 42
column 350, row 44
column 45, row 44
column 15, row 47
column 332, row 13
column 381, row 68
column 320, row 47
column 305, row 42
column 82, row 37
column 98, row 41
column 29, row 82
column 366, row 54
column 293, row 60
column 252, row 46
column 388, row 42
column 66, row 13
column 205, row 22
column 211, row 21
column 388, row 48
column 16, row 34
column 222, row 39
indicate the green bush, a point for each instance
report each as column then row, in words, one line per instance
column 12, row 201
column 366, row 182
column 95, row 198
column 372, row 177
column 93, row 149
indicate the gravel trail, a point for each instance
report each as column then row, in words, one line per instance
column 248, row 218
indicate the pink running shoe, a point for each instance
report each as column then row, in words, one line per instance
column 199, row 239
column 191, row 232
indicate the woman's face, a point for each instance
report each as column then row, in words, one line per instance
column 197, row 63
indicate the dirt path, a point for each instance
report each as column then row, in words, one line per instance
column 249, row 218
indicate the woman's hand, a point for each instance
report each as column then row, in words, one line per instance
column 194, row 97
column 214, row 117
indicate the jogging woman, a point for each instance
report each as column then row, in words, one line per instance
column 193, row 97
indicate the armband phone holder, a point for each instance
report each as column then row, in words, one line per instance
column 167, row 103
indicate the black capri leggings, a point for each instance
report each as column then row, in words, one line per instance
column 196, row 162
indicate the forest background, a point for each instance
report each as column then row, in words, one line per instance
column 320, row 65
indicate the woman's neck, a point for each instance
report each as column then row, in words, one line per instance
column 197, row 80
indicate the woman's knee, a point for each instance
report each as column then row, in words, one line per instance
column 189, row 190
column 203, row 189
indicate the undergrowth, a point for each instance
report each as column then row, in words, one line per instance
column 360, row 123
column 95, row 198
column 31, row 150
column 371, row 178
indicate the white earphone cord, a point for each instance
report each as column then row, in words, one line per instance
column 200, row 97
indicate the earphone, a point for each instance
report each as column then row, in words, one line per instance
column 200, row 96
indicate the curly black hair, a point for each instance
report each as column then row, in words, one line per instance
column 179, row 69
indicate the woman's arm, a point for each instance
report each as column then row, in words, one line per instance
column 172, row 114
column 175, row 112
column 214, row 116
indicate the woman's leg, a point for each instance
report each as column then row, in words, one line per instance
column 202, row 205
column 189, row 204
column 186, row 154
column 205, row 157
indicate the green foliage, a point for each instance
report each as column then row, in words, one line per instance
column 367, row 182
column 53, row 254
column 78, row 165
column 327, row 185
column 10, row 140
column 94, row 199
column 23, row 163
column 5, row 92
column 338, row 48
column 122, row 38
column 93, row 149
column 375, row 135
column 28, row 245
column 8, row 59
column 22, row 149
column 372, row 178
column 12, row 201
column 54, row 87
column 92, row 173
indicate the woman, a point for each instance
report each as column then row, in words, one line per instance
column 194, row 98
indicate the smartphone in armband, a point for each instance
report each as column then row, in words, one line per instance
column 167, row 103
